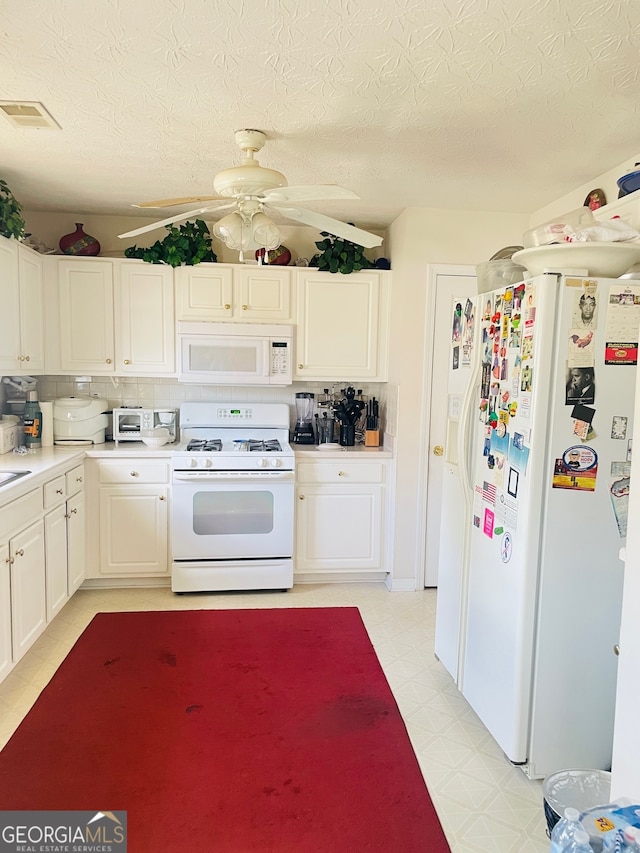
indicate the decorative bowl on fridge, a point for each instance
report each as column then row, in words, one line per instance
column 608, row 260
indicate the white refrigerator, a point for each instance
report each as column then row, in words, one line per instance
column 536, row 486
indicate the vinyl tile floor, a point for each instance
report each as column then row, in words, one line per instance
column 484, row 803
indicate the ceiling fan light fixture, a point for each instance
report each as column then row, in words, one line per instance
column 247, row 232
column 265, row 233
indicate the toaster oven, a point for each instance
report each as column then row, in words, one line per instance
column 132, row 422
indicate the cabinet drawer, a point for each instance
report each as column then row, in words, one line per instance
column 74, row 480
column 135, row 471
column 340, row 472
column 54, row 491
column 20, row 513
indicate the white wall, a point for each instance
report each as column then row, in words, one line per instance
column 419, row 237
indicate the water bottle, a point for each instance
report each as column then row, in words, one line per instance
column 565, row 829
column 631, row 839
column 579, row 843
column 32, row 419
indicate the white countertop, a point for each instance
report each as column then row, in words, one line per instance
column 358, row 451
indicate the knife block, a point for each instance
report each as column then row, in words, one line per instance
column 372, row 438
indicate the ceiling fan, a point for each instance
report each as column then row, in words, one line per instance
column 254, row 189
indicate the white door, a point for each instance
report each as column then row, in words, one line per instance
column 445, row 285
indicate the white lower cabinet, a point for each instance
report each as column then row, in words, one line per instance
column 42, row 558
column 132, row 518
column 64, row 537
column 28, row 599
column 340, row 520
column 6, row 656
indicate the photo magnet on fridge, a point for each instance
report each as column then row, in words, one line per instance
column 581, row 385
column 619, row 427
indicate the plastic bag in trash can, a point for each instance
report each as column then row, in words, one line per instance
column 580, row 789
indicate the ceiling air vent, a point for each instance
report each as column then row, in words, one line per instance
column 28, row 114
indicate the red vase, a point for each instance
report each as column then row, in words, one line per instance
column 79, row 243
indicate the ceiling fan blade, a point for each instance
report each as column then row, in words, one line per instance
column 169, row 221
column 333, row 226
column 310, row 193
column 174, row 202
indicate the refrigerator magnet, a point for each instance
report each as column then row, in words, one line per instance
column 619, row 427
column 576, row 470
column 581, row 385
column 489, row 519
column 585, row 311
column 506, row 547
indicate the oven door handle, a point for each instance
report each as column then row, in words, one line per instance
column 232, row 476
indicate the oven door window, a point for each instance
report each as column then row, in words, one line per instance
column 230, row 512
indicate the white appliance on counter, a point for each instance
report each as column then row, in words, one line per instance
column 130, row 423
column 232, row 505
column 80, row 420
column 535, row 494
column 10, row 433
column 235, row 353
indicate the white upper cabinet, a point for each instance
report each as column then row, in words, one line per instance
column 85, row 316
column 233, row 292
column 342, row 325
column 145, row 336
column 114, row 317
column 21, row 333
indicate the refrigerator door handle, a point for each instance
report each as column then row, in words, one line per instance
column 465, row 431
column 465, row 436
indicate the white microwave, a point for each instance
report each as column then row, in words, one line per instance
column 235, row 353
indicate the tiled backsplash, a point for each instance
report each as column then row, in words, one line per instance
column 169, row 393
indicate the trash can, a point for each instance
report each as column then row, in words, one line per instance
column 580, row 789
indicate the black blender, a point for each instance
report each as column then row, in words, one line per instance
column 303, row 432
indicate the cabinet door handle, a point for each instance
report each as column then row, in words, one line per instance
column 342, row 474
column 20, row 552
column 9, row 560
column 126, row 361
column 59, row 491
column 300, row 366
column 161, row 497
column 134, row 474
column 78, row 479
column 27, row 358
column 301, row 498
column 108, row 361
column 244, row 307
column 74, row 510
column 227, row 307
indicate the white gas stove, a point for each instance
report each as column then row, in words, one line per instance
column 232, row 498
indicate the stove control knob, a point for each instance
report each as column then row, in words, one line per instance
column 193, row 463
column 208, row 463
column 262, row 462
column 276, row 463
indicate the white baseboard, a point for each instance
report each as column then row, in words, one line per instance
column 401, row 584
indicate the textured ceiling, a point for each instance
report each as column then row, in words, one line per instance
column 474, row 104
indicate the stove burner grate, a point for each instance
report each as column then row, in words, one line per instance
column 207, row 445
column 272, row 445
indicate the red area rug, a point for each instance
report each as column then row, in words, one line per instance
column 227, row 730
